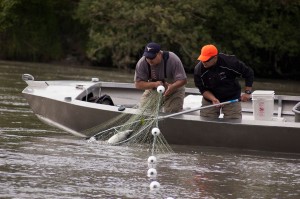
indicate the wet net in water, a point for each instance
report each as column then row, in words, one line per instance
column 135, row 129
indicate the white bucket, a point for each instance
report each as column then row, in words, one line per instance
column 263, row 104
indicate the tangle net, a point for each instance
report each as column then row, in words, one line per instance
column 134, row 129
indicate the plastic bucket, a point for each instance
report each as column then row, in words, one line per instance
column 296, row 110
column 263, row 104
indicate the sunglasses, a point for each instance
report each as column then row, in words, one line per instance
column 209, row 59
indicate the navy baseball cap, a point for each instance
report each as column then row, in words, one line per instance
column 151, row 50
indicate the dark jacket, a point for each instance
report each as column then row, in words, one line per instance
column 222, row 78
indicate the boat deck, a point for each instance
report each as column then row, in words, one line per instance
column 127, row 95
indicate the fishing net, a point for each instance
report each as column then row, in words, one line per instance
column 140, row 129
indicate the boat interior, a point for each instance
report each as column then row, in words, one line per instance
column 123, row 94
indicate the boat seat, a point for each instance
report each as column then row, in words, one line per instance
column 192, row 101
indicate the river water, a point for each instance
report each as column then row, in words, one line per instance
column 38, row 161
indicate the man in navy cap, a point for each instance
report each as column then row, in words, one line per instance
column 156, row 68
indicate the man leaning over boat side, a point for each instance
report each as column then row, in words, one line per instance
column 156, row 68
column 216, row 76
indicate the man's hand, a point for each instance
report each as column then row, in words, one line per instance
column 169, row 89
column 215, row 101
column 147, row 85
column 245, row 97
column 158, row 83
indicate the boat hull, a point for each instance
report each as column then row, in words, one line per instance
column 77, row 116
column 232, row 134
column 72, row 116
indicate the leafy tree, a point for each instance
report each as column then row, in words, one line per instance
column 37, row 30
column 29, row 28
column 122, row 28
column 264, row 34
column 261, row 33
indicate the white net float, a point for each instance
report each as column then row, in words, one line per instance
column 152, row 173
column 152, row 160
column 160, row 89
column 154, row 185
column 155, row 131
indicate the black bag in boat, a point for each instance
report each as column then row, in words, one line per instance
column 104, row 99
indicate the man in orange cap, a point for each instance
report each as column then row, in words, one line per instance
column 216, row 76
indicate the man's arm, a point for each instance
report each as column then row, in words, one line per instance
column 197, row 78
column 147, row 85
column 209, row 96
column 248, row 74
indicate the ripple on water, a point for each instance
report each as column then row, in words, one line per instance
column 38, row 161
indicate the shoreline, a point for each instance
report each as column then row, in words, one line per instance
column 280, row 86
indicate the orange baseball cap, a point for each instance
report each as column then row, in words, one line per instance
column 207, row 52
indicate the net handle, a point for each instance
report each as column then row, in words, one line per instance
column 198, row 108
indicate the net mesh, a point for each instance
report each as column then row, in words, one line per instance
column 134, row 129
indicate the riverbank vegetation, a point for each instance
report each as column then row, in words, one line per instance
column 264, row 34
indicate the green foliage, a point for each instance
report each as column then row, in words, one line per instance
column 122, row 28
column 263, row 34
column 34, row 30
column 28, row 29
